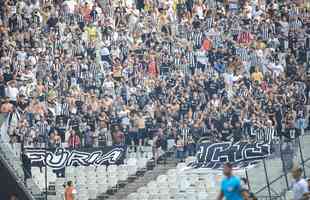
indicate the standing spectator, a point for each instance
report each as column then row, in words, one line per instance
column 70, row 191
column 300, row 185
column 26, row 166
column 74, row 141
column 12, row 92
column 230, row 185
column 180, row 148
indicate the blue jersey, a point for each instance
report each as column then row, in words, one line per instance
column 231, row 188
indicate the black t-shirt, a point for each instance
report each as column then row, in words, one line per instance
column 247, row 82
column 7, row 77
column 237, row 134
column 278, row 114
column 114, row 121
column 185, row 106
column 196, row 133
column 149, row 122
column 236, row 115
column 75, row 122
column 22, row 105
column 226, row 132
column 270, row 109
column 212, row 86
column 195, row 101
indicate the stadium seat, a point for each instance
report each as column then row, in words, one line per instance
column 132, row 166
column 202, row 196
column 190, row 159
column 132, row 196
column 122, row 173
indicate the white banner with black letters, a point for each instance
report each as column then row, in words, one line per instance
column 60, row 158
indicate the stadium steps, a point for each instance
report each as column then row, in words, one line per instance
column 13, row 161
column 12, row 172
column 161, row 168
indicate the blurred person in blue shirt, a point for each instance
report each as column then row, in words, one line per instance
column 230, row 185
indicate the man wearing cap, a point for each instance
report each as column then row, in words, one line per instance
column 230, row 185
column 300, row 185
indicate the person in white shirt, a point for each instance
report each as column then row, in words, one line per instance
column 12, row 91
column 300, row 185
column 276, row 68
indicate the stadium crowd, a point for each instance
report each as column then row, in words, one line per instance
column 93, row 73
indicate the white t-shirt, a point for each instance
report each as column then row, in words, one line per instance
column 109, row 85
column 70, row 6
column 12, row 93
column 105, row 51
column 300, row 188
column 277, row 69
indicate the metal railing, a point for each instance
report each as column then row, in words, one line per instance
column 274, row 173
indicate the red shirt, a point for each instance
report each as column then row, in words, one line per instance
column 152, row 69
column 244, row 38
column 74, row 141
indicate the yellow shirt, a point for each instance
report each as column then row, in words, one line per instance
column 91, row 32
column 257, row 76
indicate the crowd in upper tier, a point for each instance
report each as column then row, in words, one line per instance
column 92, row 73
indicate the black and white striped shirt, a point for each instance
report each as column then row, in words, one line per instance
column 43, row 127
column 65, row 109
column 177, row 63
column 191, row 59
column 295, row 25
column 266, row 134
column 264, row 31
column 254, row 59
column 242, row 53
column 198, row 38
column 209, row 23
column 79, row 18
